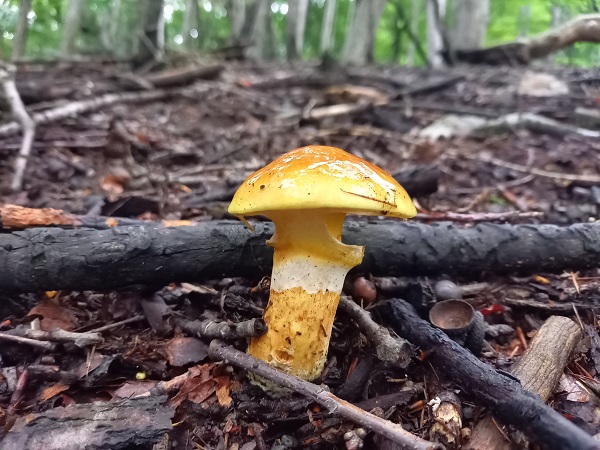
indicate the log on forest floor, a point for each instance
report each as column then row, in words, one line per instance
column 583, row 28
column 503, row 395
column 538, row 370
column 115, row 425
column 41, row 259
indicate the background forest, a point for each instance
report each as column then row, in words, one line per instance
column 394, row 31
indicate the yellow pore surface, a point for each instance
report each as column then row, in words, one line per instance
column 319, row 177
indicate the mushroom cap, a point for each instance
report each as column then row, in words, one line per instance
column 323, row 178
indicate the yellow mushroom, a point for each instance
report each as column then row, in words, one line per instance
column 307, row 193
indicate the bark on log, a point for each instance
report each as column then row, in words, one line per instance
column 84, row 259
column 98, row 425
column 505, row 397
column 539, row 370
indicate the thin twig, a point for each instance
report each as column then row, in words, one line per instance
column 58, row 335
column 223, row 330
column 79, row 107
column 42, row 345
column 7, row 78
column 110, row 326
column 393, row 431
column 388, row 348
column 524, row 169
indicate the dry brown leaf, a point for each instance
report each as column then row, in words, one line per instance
column 54, row 316
column 53, row 390
column 186, row 350
column 224, row 390
column 198, row 387
column 133, row 388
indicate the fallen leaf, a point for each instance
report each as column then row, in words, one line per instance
column 133, row 388
column 53, row 390
column 197, row 387
column 54, row 316
column 186, row 350
column 114, row 182
column 224, row 390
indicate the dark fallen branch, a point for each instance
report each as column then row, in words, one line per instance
column 222, row 330
column 392, row 431
column 419, row 180
column 14, row 217
column 504, row 396
column 183, row 75
column 41, row 259
column 112, row 425
column 91, row 104
column 387, row 348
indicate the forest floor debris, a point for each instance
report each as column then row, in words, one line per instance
column 102, row 159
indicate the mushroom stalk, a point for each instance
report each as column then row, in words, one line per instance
column 310, row 264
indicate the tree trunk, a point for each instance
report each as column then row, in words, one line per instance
column 358, row 48
column 291, row 21
column 470, row 24
column 20, row 40
column 72, row 26
column 258, row 30
column 327, row 36
column 295, row 25
column 190, row 22
column 236, row 11
column 151, row 32
column 414, row 26
column 436, row 11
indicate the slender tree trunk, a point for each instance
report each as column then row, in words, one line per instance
column 523, row 21
column 435, row 41
column 414, row 26
column 71, row 27
column 236, row 11
column 20, row 40
column 291, row 20
column 295, row 25
column 470, row 24
column 301, row 25
column 399, row 26
column 327, row 37
column 190, row 22
column 358, row 48
column 258, row 30
column 151, row 32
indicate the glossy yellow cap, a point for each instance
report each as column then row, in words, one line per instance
column 326, row 178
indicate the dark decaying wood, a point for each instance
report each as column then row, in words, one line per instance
column 505, row 397
column 539, row 370
column 84, row 259
column 114, row 425
column 419, row 180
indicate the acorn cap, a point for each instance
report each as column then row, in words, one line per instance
column 325, row 178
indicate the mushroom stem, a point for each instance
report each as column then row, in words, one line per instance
column 309, row 266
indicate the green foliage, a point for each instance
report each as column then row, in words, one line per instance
column 107, row 30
